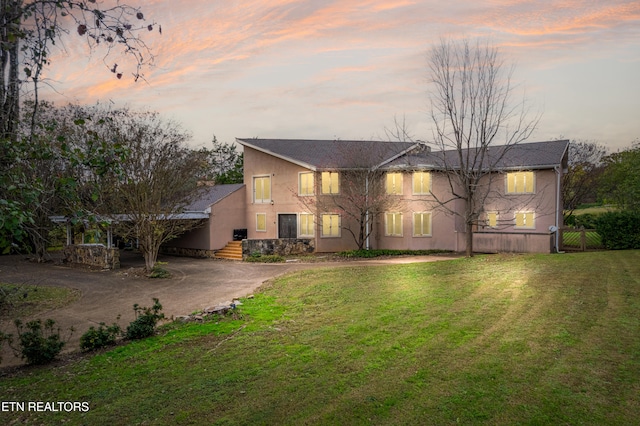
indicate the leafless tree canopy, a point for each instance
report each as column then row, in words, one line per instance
column 473, row 109
column 580, row 183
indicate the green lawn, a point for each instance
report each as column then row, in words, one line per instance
column 497, row 340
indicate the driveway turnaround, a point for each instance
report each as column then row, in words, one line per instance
column 195, row 284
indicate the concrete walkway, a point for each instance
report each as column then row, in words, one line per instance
column 195, row 285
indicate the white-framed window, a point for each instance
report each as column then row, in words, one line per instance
column 306, row 225
column 261, row 222
column 525, row 220
column 521, row 183
column 422, row 224
column 393, row 224
column 330, row 225
column 421, row 183
column 492, row 219
column 394, row 183
column 305, row 183
column 262, row 189
column 330, row 184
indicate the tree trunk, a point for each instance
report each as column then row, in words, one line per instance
column 469, row 237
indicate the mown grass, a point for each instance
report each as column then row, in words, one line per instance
column 540, row 339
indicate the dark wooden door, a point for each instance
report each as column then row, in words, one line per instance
column 287, row 226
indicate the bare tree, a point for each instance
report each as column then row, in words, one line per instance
column 473, row 110
column 357, row 188
column 580, row 183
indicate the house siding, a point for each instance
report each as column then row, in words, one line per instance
column 448, row 231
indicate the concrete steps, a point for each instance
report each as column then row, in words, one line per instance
column 232, row 251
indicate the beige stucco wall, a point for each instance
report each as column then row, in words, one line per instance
column 284, row 187
column 448, row 230
column 226, row 215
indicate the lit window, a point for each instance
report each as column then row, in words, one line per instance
column 394, row 183
column 421, row 183
column 305, row 185
column 262, row 189
column 492, row 219
column 329, row 182
column 306, row 225
column 330, row 225
column 525, row 220
column 393, row 224
column 261, row 222
column 520, row 183
column 422, row 224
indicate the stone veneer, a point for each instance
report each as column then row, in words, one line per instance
column 179, row 251
column 279, row 246
column 95, row 255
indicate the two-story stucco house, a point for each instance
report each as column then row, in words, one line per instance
column 303, row 189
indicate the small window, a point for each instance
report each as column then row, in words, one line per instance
column 330, row 225
column 394, row 183
column 520, row 183
column 306, row 225
column 421, row 183
column 261, row 222
column 492, row 219
column 305, row 184
column 422, row 224
column 525, row 220
column 330, row 183
column 393, row 224
column 262, row 189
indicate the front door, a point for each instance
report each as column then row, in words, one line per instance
column 287, row 226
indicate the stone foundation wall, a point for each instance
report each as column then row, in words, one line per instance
column 94, row 255
column 179, row 251
column 282, row 246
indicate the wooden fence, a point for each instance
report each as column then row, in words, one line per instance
column 575, row 239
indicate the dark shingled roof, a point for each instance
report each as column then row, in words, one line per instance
column 330, row 154
column 209, row 195
column 534, row 155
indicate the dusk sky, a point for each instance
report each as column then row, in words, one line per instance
column 343, row 69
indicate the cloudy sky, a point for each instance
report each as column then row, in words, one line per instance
column 325, row 69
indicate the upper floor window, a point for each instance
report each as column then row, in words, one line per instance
column 330, row 225
column 421, row 183
column 262, row 189
column 520, row 183
column 330, row 182
column 305, row 183
column 394, row 183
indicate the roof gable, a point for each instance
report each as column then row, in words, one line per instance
column 210, row 195
column 533, row 155
column 330, row 154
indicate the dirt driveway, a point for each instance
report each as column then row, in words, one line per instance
column 195, row 284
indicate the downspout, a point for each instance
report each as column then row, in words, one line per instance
column 366, row 200
column 558, row 208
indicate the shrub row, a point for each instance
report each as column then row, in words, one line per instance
column 41, row 342
column 619, row 230
column 354, row 254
